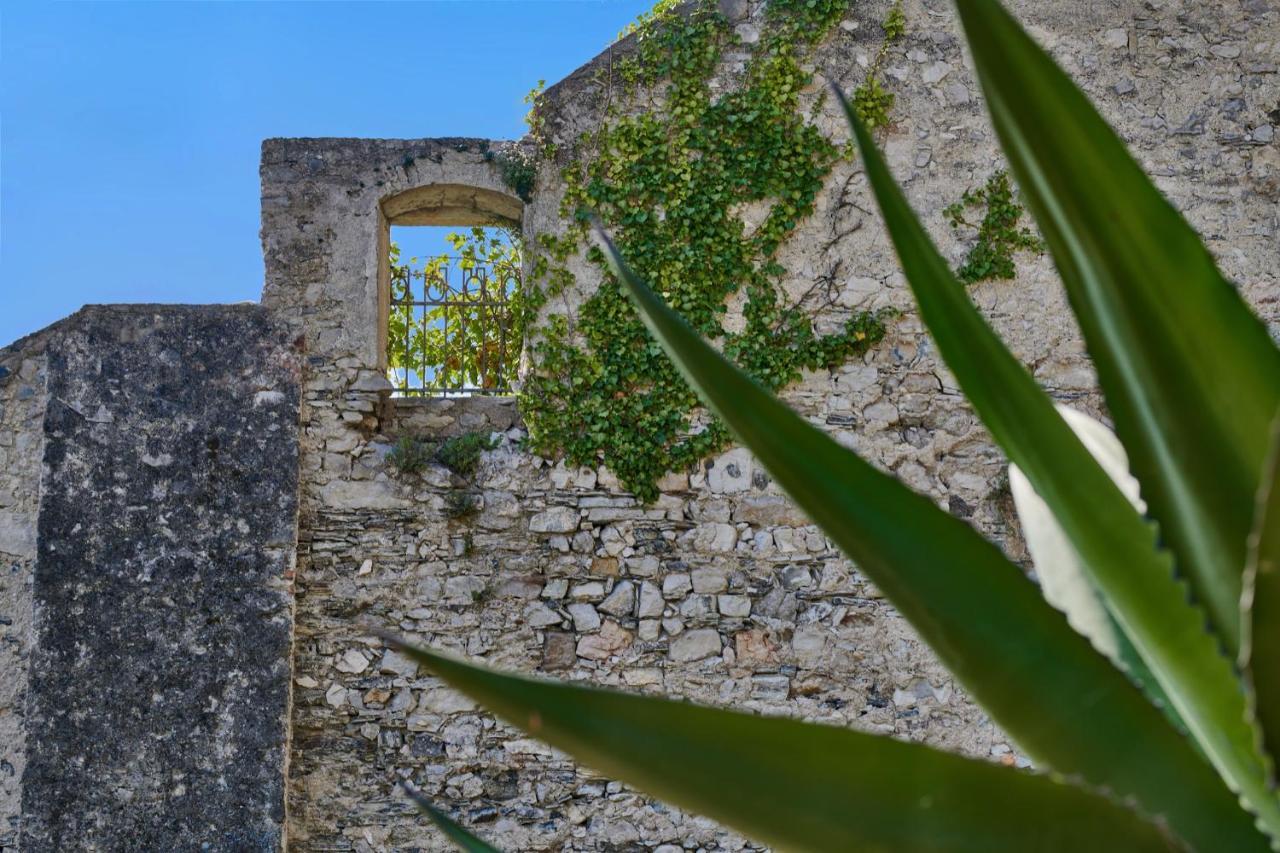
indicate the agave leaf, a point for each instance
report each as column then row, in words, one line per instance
column 802, row 786
column 1063, row 580
column 1116, row 545
column 1064, row 703
column 1191, row 376
column 1260, row 643
column 452, row 830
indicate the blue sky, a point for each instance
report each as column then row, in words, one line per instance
column 129, row 132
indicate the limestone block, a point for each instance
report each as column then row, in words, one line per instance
column 585, row 617
column 621, row 601
column 695, row 645
column 731, row 472
column 556, row 520
column 651, row 601
column 611, row 639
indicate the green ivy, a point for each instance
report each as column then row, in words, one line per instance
column 998, row 234
column 519, row 170
column 871, row 100
column 533, row 118
column 895, row 23
column 667, row 183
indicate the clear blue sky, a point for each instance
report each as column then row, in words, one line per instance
column 129, row 132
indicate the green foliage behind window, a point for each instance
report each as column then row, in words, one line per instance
column 473, row 342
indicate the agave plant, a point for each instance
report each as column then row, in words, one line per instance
column 1156, row 731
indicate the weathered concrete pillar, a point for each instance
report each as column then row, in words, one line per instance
column 156, row 700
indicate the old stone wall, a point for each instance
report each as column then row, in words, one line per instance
column 22, row 404
column 719, row 591
column 150, row 523
column 166, row 472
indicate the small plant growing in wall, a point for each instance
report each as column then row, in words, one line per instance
column 998, row 232
column 484, row 594
column 411, row 454
column 460, row 504
column 461, row 454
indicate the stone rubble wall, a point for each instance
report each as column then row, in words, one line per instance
column 151, row 522
column 720, row 591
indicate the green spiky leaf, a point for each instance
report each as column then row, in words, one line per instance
column 452, row 830
column 1063, row 579
column 1260, row 645
column 802, row 786
column 1193, row 404
column 1040, row 680
column 1116, row 545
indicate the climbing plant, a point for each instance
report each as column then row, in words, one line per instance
column 871, row 101
column 519, row 170
column 998, row 233
column 671, row 182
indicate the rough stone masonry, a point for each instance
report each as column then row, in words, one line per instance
column 128, row 543
column 155, row 615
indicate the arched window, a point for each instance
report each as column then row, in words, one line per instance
column 452, row 321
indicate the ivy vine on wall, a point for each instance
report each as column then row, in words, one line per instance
column 669, row 183
column 871, row 100
column 998, row 234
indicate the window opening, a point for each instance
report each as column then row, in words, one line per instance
column 455, row 327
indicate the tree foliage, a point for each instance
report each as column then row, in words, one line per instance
column 473, row 338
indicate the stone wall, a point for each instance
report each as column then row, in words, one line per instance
column 150, row 522
column 720, row 591
column 150, row 531
column 22, row 404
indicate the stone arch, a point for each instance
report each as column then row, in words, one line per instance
column 451, row 204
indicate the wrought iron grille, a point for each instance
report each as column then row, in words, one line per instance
column 454, row 327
